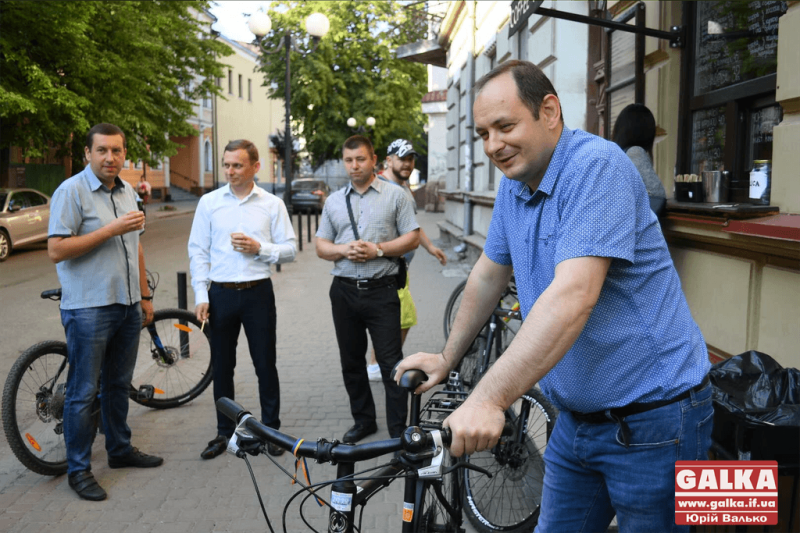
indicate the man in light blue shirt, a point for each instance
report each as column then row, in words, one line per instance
column 94, row 241
column 239, row 231
column 607, row 332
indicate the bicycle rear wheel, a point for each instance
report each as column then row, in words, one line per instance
column 451, row 308
column 33, row 408
column 174, row 359
column 510, row 499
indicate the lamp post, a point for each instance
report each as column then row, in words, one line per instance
column 352, row 123
column 317, row 25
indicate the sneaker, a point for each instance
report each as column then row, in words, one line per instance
column 374, row 372
column 135, row 459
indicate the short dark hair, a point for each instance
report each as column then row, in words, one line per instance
column 635, row 126
column 105, row 128
column 243, row 144
column 532, row 84
column 356, row 141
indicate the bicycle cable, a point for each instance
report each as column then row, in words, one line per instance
column 258, row 492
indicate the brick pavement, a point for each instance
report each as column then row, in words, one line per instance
column 188, row 494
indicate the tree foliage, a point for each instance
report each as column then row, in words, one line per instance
column 353, row 73
column 69, row 65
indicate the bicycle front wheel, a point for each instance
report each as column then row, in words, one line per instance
column 510, row 499
column 33, row 408
column 451, row 309
column 434, row 515
column 173, row 362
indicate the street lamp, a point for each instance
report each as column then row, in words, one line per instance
column 352, row 123
column 317, row 26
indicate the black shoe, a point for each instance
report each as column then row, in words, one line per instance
column 86, row 486
column 215, row 447
column 274, row 450
column 359, row 431
column 135, row 459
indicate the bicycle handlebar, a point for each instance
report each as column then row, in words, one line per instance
column 414, row 439
column 52, row 294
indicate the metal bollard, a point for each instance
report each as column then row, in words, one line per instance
column 300, row 231
column 308, row 225
column 183, row 304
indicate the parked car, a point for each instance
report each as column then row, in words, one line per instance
column 309, row 195
column 24, row 217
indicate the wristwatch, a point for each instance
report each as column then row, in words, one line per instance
column 379, row 251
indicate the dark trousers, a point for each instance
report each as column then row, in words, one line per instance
column 253, row 308
column 375, row 310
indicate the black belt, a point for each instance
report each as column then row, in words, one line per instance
column 364, row 284
column 240, row 285
column 618, row 414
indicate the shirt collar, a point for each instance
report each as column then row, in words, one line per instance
column 255, row 191
column 548, row 182
column 378, row 183
column 94, row 181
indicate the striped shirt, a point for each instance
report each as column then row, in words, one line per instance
column 382, row 214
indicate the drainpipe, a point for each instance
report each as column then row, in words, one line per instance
column 215, row 140
column 469, row 167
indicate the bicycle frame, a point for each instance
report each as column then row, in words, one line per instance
column 346, row 495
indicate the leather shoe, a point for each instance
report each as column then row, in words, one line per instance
column 359, row 431
column 215, row 447
column 86, row 486
column 274, row 450
column 135, row 459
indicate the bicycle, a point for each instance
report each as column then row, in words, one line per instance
column 173, row 367
column 509, row 499
column 512, row 318
column 433, row 489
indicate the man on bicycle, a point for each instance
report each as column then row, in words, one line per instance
column 94, row 241
column 607, row 333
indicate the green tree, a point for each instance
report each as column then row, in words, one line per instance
column 353, row 73
column 69, row 65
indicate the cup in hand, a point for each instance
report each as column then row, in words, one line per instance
column 235, row 236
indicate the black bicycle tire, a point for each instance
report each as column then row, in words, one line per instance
column 483, row 513
column 468, row 367
column 451, row 307
column 192, row 386
column 14, row 436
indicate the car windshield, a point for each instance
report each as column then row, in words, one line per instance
column 3, row 199
column 306, row 185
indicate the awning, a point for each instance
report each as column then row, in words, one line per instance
column 427, row 52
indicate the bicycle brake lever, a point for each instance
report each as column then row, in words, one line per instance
column 469, row 466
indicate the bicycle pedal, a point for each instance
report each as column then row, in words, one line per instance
column 145, row 393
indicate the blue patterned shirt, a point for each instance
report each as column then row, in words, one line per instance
column 640, row 343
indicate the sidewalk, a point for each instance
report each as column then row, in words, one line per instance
column 188, row 494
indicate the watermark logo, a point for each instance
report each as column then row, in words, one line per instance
column 726, row 492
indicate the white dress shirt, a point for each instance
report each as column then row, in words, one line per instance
column 261, row 216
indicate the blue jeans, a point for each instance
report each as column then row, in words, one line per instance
column 590, row 475
column 102, row 344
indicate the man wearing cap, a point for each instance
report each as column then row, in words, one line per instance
column 363, row 230
column 400, row 159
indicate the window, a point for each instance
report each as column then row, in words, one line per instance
column 240, row 85
column 208, row 157
column 207, row 101
column 157, row 165
column 138, row 165
column 729, row 107
column 249, row 90
column 126, row 164
column 624, row 68
column 230, row 81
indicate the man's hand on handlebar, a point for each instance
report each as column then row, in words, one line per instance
column 475, row 426
column 433, row 364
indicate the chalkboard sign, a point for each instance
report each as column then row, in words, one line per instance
column 708, row 139
column 735, row 41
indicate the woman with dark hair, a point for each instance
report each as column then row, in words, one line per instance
column 634, row 132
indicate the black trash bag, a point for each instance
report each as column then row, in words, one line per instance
column 754, row 386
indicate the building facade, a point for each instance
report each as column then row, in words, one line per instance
column 723, row 82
